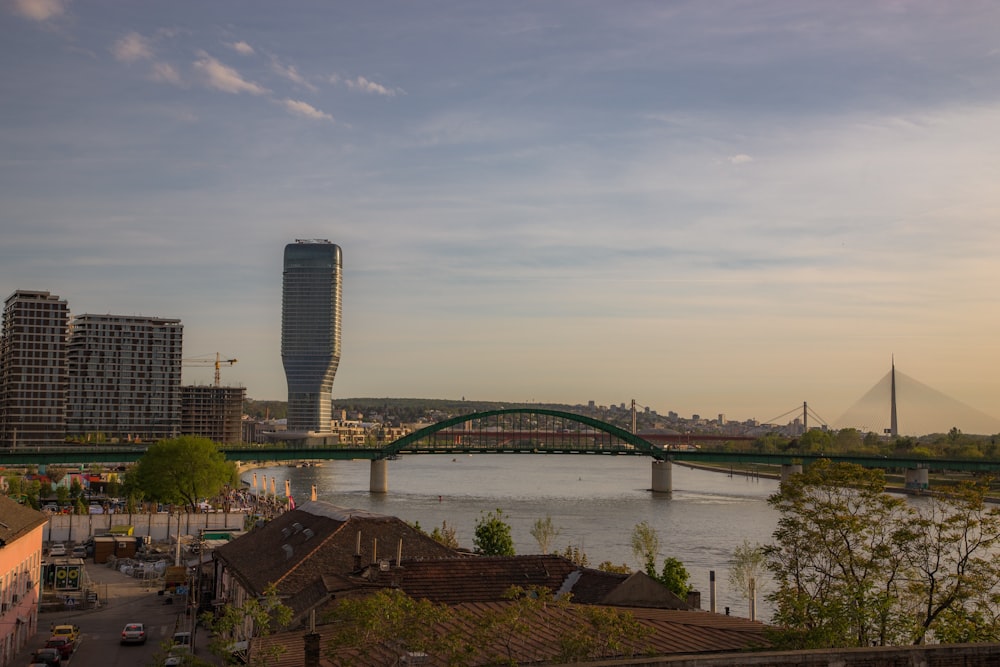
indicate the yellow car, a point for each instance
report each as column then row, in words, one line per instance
column 70, row 632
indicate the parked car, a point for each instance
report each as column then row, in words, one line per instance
column 79, row 551
column 134, row 633
column 57, row 549
column 67, row 630
column 65, row 646
column 50, row 657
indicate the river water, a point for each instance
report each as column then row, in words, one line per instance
column 594, row 502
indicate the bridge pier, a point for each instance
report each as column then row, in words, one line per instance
column 917, row 479
column 789, row 469
column 663, row 477
column 378, row 482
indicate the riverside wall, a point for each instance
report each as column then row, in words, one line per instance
column 159, row 527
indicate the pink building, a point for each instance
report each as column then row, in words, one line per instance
column 21, row 531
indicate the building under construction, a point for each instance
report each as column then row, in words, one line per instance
column 213, row 412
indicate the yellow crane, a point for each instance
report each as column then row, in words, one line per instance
column 217, row 362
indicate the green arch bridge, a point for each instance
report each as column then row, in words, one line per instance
column 514, row 431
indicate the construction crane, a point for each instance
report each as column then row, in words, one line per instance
column 217, row 362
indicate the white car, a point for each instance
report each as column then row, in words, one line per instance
column 57, row 549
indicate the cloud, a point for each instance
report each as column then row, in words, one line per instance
column 224, row 78
column 39, row 10
column 292, row 74
column 241, row 48
column 132, row 47
column 165, row 73
column 741, row 158
column 364, row 85
column 305, row 109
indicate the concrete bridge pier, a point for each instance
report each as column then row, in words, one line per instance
column 663, row 477
column 789, row 469
column 917, row 479
column 378, row 482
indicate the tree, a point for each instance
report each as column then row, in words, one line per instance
column 544, row 532
column 256, row 617
column 445, row 535
column 603, row 632
column 745, row 570
column 645, row 546
column 838, row 559
column 951, row 592
column 183, row 470
column 492, row 535
column 674, row 577
column 388, row 622
column 575, row 555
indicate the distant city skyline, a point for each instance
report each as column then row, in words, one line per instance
column 706, row 207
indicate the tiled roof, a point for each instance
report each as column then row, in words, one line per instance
column 670, row 633
column 476, row 579
column 296, row 549
column 17, row 520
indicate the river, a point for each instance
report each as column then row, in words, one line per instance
column 594, row 501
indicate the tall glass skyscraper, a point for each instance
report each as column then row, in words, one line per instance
column 310, row 332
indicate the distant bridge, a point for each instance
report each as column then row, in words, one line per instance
column 506, row 431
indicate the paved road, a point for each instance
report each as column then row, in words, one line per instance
column 128, row 600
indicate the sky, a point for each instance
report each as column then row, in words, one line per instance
column 708, row 207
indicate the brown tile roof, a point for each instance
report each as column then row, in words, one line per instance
column 17, row 520
column 297, row 548
column 671, row 632
column 476, row 579
column 488, row 578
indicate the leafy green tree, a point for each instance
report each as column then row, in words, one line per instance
column 952, row 591
column 645, row 546
column 492, row 535
column 745, row 570
column 839, row 558
column 847, row 440
column 62, row 495
column 608, row 566
column 445, row 535
column 674, row 576
column 383, row 624
column 575, row 555
column 256, row 617
column 544, row 532
column 604, row 632
column 183, row 470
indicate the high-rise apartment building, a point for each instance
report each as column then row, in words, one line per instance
column 213, row 412
column 33, row 370
column 124, row 378
column 310, row 333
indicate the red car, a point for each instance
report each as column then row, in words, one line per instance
column 65, row 646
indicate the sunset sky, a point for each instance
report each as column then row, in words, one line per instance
column 708, row 207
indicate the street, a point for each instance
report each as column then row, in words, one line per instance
column 128, row 600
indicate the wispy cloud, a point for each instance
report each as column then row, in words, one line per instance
column 131, row 48
column 301, row 108
column 225, row 78
column 364, row 85
column 39, row 10
column 166, row 73
column 241, row 48
column 740, row 158
column 292, row 74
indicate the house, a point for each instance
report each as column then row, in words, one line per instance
column 21, row 532
column 488, row 578
column 308, row 553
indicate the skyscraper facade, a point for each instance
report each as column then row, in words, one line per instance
column 124, row 378
column 310, row 332
column 33, row 370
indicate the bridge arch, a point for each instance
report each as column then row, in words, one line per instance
column 628, row 443
column 511, row 435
